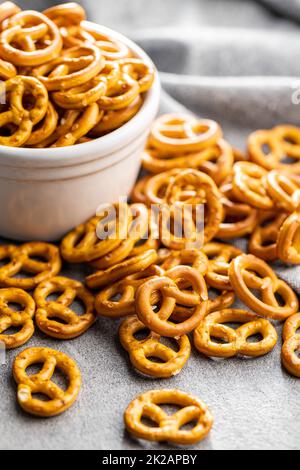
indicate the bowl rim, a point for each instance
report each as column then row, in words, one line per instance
column 101, row 146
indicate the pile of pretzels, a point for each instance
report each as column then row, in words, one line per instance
column 65, row 80
column 163, row 285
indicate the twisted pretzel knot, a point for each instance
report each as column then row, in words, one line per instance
column 195, row 258
column 284, row 192
column 249, row 185
column 16, row 115
column 22, row 260
column 121, row 95
column 288, row 241
column 82, row 244
column 29, row 38
column 66, row 14
column 235, row 340
column 168, row 426
column 118, row 300
column 239, row 218
column 17, row 319
column 170, row 293
column 247, row 272
column 141, row 352
column 220, row 256
column 59, row 400
column 72, row 325
column 263, row 241
column 176, row 133
column 291, row 344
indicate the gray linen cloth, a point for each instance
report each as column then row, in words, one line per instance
column 237, row 62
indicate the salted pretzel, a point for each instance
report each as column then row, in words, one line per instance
column 206, row 192
column 121, row 270
column 291, row 344
column 249, row 185
column 84, row 122
column 219, row 255
column 247, row 272
column 284, row 192
column 140, row 71
column 66, row 14
column 170, row 293
column 235, row 341
column 23, row 36
column 114, row 119
column 288, row 241
column 44, row 128
column 156, row 186
column 66, row 120
column 263, row 241
column 21, row 260
column 49, row 312
column 72, row 68
column 177, row 133
column 59, row 400
column 81, row 96
column 239, row 219
column 168, row 426
column 82, row 244
column 121, row 95
column 141, row 352
column 20, row 319
column 194, row 258
column 118, row 299
column 22, row 119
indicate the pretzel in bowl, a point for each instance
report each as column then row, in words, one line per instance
column 247, row 272
column 18, row 120
column 141, row 352
column 288, row 241
column 29, row 38
column 49, row 312
column 291, row 344
column 20, row 319
column 235, row 341
column 40, row 383
column 168, row 427
column 21, row 260
column 167, row 287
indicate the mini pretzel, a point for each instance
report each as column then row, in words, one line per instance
column 66, row 13
column 83, row 244
column 81, row 96
column 206, row 193
column 72, row 325
column 22, row 119
column 114, row 119
column 59, row 400
column 235, row 341
column 288, row 241
column 171, row 294
column 220, row 256
column 45, row 128
column 289, row 139
column 74, row 67
column 88, row 118
column 121, row 95
column 141, row 352
column 194, row 258
column 239, row 220
column 156, row 186
column 291, row 344
column 23, row 33
column 249, row 185
column 247, row 272
column 8, row 9
column 22, row 260
column 139, row 71
column 168, row 426
column 177, row 133
column 65, row 123
column 118, row 300
column 121, row 270
column 257, row 141
column 284, row 192
column 17, row 319
column 263, row 241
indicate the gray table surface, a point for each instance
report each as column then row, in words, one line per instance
column 254, row 401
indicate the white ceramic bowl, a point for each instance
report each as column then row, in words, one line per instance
column 44, row 193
